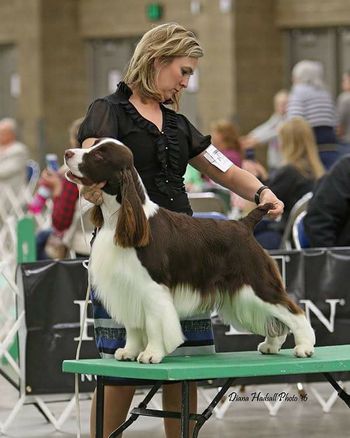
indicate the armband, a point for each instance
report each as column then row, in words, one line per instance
column 257, row 194
column 217, row 158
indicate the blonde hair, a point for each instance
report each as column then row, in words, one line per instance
column 299, row 147
column 164, row 42
column 229, row 134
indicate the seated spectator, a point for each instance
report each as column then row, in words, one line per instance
column 343, row 115
column 67, row 232
column 13, row 157
column 327, row 222
column 310, row 99
column 224, row 135
column 302, row 168
column 266, row 133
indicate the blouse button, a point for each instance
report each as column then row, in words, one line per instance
column 171, row 199
column 166, row 147
column 166, row 180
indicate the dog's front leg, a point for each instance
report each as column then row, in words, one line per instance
column 162, row 325
column 154, row 351
column 133, row 346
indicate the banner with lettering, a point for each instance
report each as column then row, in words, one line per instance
column 319, row 281
column 54, row 294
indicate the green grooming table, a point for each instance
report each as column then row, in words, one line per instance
column 216, row 366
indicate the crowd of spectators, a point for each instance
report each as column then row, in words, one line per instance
column 305, row 136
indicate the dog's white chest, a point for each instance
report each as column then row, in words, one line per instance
column 118, row 278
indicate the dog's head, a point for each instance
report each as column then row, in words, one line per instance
column 104, row 161
column 110, row 161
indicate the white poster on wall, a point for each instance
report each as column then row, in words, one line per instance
column 15, row 85
column 114, row 77
column 193, row 83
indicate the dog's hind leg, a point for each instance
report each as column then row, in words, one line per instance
column 271, row 320
column 276, row 334
column 133, row 346
column 272, row 344
column 303, row 333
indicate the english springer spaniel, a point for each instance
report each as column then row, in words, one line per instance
column 150, row 266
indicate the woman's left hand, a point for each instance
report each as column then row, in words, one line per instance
column 267, row 196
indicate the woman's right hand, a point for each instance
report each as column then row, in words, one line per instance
column 93, row 193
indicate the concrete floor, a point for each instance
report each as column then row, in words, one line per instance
column 244, row 418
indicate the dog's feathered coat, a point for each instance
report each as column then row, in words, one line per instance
column 150, row 265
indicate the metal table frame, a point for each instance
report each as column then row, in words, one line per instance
column 185, row 369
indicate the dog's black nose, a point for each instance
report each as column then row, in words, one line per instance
column 68, row 154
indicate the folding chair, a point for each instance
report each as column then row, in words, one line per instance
column 299, row 207
column 300, row 238
column 206, row 202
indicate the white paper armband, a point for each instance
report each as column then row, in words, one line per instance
column 217, row 158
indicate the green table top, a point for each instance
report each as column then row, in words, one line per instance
column 238, row 364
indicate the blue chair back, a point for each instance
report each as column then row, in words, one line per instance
column 299, row 236
column 210, row 215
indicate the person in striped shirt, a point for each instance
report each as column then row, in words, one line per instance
column 310, row 99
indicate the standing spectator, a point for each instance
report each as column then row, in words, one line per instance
column 343, row 114
column 13, row 157
column 67, row 233
column 327, row 222
column 310, row 99
column 301, row 169
column 266, row 133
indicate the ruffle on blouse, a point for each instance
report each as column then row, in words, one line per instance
column 168, row 180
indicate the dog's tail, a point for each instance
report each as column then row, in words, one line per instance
column 256, row 215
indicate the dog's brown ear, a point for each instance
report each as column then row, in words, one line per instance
column 96, row 216
column 132, row 227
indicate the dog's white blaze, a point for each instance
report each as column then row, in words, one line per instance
column 74, row 161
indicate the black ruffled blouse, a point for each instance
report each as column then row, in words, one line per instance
column 160, row 157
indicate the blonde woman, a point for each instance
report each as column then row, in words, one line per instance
column 301, row 169
column 163, row 142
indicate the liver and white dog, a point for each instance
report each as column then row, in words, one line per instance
column 150, row 266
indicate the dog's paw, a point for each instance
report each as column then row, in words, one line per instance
column 303, row 350
column 150, row 356
column 266, row 348
column 124, row 354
